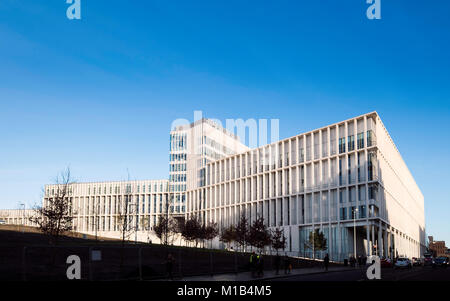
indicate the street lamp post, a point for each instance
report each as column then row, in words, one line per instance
column 97, row 209
column 354, row 232
column 136, row 208
column 23, row 216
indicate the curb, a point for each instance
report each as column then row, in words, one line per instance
column 265, row 278
column 293, row 275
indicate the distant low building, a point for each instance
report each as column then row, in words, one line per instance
column 16, row 216
column 438, row 247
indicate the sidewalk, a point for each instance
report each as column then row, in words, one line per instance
column 247, row 276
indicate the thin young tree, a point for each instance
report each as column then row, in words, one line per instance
column 202, row 235
column 242, row 230
column 124, row 215
column 55, row 216
column 316, row 242
column 278, row 240
column 170, row 227
column 145, row 226
column 191, row 231
column 228, row 236
column 211, row 232
column 207, row 233
column 165, row 229
column 125, row 210
column 259, row 235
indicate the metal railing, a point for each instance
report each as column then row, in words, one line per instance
column 109, row 263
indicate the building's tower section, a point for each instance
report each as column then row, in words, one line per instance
column 192, row 146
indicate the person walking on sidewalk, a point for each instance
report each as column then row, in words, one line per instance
column 326, row 261
column 169, row 265
column 253, row 260
column 287, row 265
column 277, row 264
column 260, row 265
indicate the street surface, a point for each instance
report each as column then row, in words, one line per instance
column 387, row 274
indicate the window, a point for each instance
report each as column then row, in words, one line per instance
column 360, row 140
column 351, row 143
column 362, row 211
column 372, row 192
column 349, row 171
column 359, row 167
column 342, row 193
column 369, row 138
column 353, row 212
column 373, row 211
column 343, row 213
column 352, row 194
column 370, row 166
column 341, row 145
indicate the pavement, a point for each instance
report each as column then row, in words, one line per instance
column 387, row 274
column 340, row 273
column 268, row 275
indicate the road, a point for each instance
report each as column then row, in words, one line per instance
column 387, row 274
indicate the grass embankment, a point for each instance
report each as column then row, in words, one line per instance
column 26, row 253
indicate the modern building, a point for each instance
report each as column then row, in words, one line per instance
column 347, row 179
column 192, row 146
column 16, row 216
column 98, row 207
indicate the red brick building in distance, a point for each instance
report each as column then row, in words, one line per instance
column 437, row 247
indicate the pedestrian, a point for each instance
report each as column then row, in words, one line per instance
column 277, row 264
column 326, row 261
column 286, row 264
column 169, row 266
column 359, row 260
column 260, row 265
column 253, row 260
column 352, row 261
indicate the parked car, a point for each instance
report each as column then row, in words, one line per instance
column 417, row 261
column 402, row 262
column 441, row 261
column 428, row 260
column 2, row 222
column 385, row 263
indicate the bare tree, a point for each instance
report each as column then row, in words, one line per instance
column 259, row 236
column 124, row 220
column 191, row 230
column 228, row 236
column 316, row 242
column 171, row 226
column 55, row 216
column 211, row 231
column 165, row 229
column 125, row 212
column 278, row 240
column 242, row 232
column 145, row 226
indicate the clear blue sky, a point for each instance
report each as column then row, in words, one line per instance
column 100, row 94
